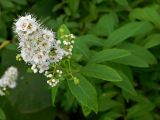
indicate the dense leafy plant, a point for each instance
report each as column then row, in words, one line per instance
column 115, row 61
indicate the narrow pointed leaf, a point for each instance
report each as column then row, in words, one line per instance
column 103, row 72
column 147, row 13
column 109, row 55
column 152, row 41
column 127, row 31
column 54, row 92
column 84, row 92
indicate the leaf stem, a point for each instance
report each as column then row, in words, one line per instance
column 4, row 44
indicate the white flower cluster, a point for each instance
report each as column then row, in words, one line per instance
column 68, row 41
column 53, row 82
column 8, row 80
column 40, row 49
column 37, row 44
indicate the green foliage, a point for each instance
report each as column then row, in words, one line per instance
column 115, row 61
column 122, row 2
column 152, row 40
column 147, row 13
column 126, row 84
column 54, row 93
column 109, row 55
column 102, row 28
column 127, row 31
column 2, row 115
column 84, row 92
column 103, row 72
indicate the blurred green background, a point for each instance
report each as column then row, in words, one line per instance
column 90, row 19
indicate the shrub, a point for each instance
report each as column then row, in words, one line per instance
column 115, row 61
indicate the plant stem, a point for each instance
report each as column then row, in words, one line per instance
column 4, row 44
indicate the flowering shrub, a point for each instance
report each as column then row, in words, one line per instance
column 109, row 71
column 40, row 48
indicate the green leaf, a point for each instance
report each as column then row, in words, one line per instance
column 132, row 60
column 43, row 9
column 106, row 118
column 152, row 41
column 122, row 2
column 2, row 115
column 82, row 44
column 140, row 57
column 105, row 25
column 63, row 30
column 90, row 40
column 146, row 116
column 54, row 93
column 140, row 98
column 127, row 31
column 109, row 55
column 2, row 39
column 86, row 111
column 11, row 46
column 141, row 52
column 126, row 84
column 103, row 72
column 111, row 115
column 74, row 5
column 31, row 94
column 139, row 110
column 84, row 92
column 81, row 47
column 147, row 13
column 7, row 4
column 106, row 103
column 21, row 2
column 3, row 29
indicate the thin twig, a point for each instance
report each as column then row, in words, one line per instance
column 4, row 44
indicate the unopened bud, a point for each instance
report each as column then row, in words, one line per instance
column 76, row 81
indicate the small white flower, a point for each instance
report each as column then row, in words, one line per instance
column 57, row 71
column 8, row 79
column 60, row 72
column 43, row 67
column 1, row 93
column 65, row 42
column 46, row 73
column 71, row 46
column 59, row 54
column 33, row 67
column 12, row 85
column 26, row 25
column 58, row 42
column 4, row 89
column 50, row 75
column 70, row 49
column 52, row 82
column 72, row 36
column 48, row 35
column 35, row 70
column 66, row 36
column 72, row 41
